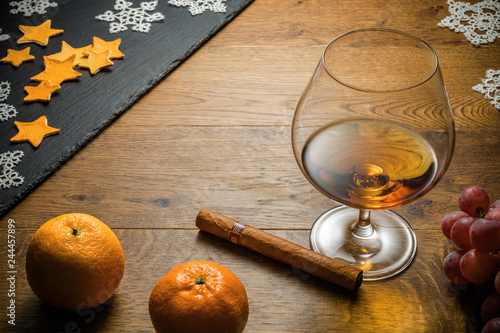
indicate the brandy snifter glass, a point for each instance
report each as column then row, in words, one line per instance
column 373, row 131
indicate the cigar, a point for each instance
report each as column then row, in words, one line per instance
column 319, row 265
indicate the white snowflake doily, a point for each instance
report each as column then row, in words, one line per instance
column 6, row 110
column 490, row 87
column 480, row 22
column 29, row 7
column 8, row 176
column 199, row 6
column 138, row 18
column 3, row 37
column 4, row 90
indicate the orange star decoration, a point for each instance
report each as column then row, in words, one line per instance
column 39, row 34
column 67, row 51
column 101, row 45
column 96, row 61
column 17, row 57
column 57, row 71
column 33, row 132
column 40, row 93
column 59, row 67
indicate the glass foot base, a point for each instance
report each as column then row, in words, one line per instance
column 387, row 252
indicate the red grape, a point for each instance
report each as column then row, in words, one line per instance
column 475, row 229
column 477, row 267
column 493, row 214
column 460, row 232
column 474, row 201
column 491, row 307
column 449, row 220
column 451, row 267
column 497, row 282
column 496, row 204
column 493, row 326
column 485, row 235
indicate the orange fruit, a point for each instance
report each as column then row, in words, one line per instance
column 74, row 262
column 199, row 296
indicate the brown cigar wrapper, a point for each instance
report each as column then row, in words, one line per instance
column 277, row 248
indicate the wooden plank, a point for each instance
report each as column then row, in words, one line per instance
column 281, row 298
column 316, row 22
column 230, row 86
column 156, row 177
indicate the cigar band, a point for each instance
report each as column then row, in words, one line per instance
column 235, row 233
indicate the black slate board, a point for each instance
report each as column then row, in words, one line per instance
column 83, row 107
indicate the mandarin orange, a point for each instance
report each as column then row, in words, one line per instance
column 74, row 262
column 199, row 296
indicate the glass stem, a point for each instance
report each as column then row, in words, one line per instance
column 363, row 226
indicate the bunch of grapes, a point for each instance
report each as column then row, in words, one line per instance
column 475, row 230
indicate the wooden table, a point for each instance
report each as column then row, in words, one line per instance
column 216, row 134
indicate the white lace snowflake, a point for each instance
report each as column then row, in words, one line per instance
column 480, row 22
column 490, row 87
column 138, row 18
column 199, row 6
column 8, row 176
column 6, row 110
column 29, row 7
column 4, row 90
column 3, row 37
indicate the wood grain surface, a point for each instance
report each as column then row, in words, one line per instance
column 215, row 134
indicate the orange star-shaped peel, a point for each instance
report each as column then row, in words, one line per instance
column 101, row 45
column 39, row 34
column 96, row 61
column 40, row 93
column 17, row 57
column 33, row 132
column 67, row 51
column 57, row 71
